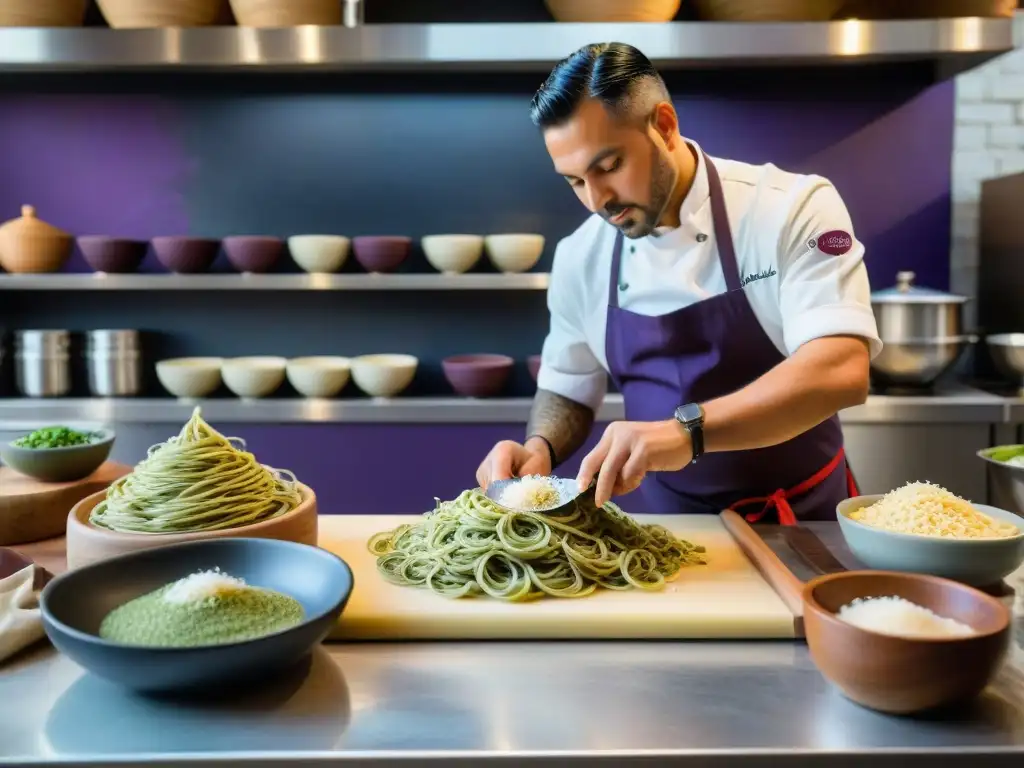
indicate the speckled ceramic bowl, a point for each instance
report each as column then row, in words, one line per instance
column 252, row 253
column 381, row 253
column 477, row 375
column 186, row 255
column 112, row 254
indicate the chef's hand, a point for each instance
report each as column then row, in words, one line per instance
column 629, row 450
column 509, row 459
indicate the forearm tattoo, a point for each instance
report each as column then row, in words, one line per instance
column 564, row 423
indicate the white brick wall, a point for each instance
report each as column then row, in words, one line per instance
column 988, row 141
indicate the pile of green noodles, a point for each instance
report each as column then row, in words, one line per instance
column 472, row 546
column 196, row 481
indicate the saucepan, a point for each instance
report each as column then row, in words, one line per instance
column 921, row 331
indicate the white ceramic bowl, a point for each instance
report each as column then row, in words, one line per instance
column 453, row 254
column 253, row 377
column 319, row 253
column 189, row 377
column 514, row 253
column 322, row 376
column 383, row 375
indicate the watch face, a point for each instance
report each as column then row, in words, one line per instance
column 689, row 413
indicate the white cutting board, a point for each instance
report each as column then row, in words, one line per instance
column 727, row 598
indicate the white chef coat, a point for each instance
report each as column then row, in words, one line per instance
column 798, row 292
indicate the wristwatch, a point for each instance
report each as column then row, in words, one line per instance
column 691, row 416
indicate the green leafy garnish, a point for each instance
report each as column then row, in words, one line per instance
column 54, row 437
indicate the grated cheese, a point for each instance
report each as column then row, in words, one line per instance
column 898, row 616
column 925, row 509
column 532, row 492
column 202, row 585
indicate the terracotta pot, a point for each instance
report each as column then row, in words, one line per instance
column 613, row 10
column 286, row 13
column 30, row 245
column 125, row 14
column 42, row 13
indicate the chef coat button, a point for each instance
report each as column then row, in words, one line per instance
column 623, row 286
column 632, row 249
column 701, row 237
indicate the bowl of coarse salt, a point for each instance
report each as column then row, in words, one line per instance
column 903, row 643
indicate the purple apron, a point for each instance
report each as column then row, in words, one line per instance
column 704, row 351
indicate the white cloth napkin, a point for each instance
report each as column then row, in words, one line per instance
column 21, row 624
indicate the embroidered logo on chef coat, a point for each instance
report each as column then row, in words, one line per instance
column 764, row 274
column 835, row 242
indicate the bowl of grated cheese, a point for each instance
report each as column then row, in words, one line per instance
column 903, row 643
column 924, row 528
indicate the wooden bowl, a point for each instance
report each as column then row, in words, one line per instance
column 286, row 13
column 88, row 544
column 902, row 675
column 767, row 10
column 130, row 14
column 42, row 13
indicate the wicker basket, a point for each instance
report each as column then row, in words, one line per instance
column 613, row 10
column 125, row 14
column 918, row 9
column 767, row 10
column 286, row 13
column 42, row 13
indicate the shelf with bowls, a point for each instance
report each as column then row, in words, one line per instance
column 956, row 44
column 99, row 281
column 965, row 406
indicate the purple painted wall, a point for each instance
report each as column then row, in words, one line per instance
column 381, row 163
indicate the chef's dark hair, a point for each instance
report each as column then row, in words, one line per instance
column 616, row 74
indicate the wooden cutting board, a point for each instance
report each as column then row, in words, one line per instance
column 726, row 599
column 31, row 510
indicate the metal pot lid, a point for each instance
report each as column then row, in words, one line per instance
column 905, row 292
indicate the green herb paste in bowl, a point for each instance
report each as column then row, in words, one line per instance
column 206, row 608
column 55, row 437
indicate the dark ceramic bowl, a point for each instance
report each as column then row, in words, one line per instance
column 112, row 254
column 186, row 255
column 59, row 465
column 251, row 253
column 477, row 375
column 74, row 604
column 533, row 366
column 904, row 675
column 381, row 253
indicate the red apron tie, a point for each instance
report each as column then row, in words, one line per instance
column 780, row 499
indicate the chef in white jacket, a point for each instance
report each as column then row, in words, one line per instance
column 729, row 302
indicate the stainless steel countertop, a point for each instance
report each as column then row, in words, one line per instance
column 654, row 703
column 952, row 404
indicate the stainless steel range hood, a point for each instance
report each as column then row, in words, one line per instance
column 952, row 45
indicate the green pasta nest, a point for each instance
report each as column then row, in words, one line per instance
column 198, row 480
column 473, row 546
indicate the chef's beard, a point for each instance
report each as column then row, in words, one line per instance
column 644, row 218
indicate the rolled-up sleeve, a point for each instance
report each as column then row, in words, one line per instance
column 823, row 283
column 568, row 365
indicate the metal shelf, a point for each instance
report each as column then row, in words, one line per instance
column 962, row 405
column 956, row 43
column 98, row 281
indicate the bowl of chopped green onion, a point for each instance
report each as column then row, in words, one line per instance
column 58, row 454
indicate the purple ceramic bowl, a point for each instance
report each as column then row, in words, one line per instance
column 477, row 375
column 252, row 253
column 533, row 365
column 112, row 254
column 381, row 253
column 185, row 255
